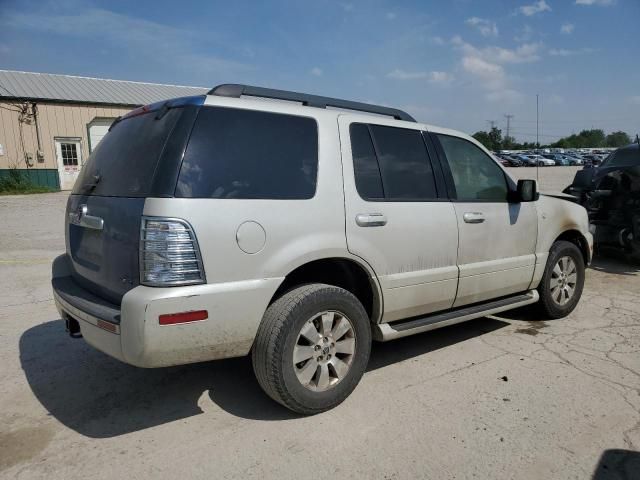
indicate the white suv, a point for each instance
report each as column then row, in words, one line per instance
column 297, row 228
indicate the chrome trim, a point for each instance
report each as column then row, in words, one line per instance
column 385, row 331
column 82, row 219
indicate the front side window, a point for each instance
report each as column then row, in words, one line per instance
column 391, row 163
column 247, row 154
column 475, row 175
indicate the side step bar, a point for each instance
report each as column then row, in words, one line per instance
column 384, row 331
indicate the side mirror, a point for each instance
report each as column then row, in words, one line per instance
column 527, row 191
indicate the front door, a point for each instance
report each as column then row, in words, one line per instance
column 397, row 217
column 496, row 255
column 69, row 158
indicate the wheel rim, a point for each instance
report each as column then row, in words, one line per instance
column 324, row 350
column 563, row 280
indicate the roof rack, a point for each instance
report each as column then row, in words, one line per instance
column 237, row 90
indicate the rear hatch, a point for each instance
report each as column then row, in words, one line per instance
column 139, row 158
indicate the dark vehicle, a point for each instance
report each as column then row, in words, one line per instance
column 591, row 160
column 526, row 161
column 611, row 195
column 510, row 161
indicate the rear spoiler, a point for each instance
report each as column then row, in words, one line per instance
column 161, row 107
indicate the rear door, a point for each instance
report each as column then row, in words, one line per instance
column 396, row 217
column 496, row 253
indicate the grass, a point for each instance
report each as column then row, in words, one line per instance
column 15, row 183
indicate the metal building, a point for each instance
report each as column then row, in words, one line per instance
column 49, row 124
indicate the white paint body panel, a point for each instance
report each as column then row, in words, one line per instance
column 416, row 262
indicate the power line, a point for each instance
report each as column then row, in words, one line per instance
column 508, row 117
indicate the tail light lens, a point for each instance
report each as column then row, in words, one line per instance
column 169, row 253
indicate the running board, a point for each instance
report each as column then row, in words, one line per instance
column 385, row 331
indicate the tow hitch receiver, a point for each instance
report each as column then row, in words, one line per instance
column 73, row 327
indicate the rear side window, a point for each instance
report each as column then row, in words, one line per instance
column 475, row 175
column 246, row 154
column 391, row 164
column 365, row 163
column 124, row 162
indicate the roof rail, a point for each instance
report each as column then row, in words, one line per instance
column 237, row 90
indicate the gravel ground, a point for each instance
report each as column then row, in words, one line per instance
column 550, row 179
column 500, row 397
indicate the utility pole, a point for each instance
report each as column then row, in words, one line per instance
column 508, row 117
column 537, row 122
column 492, row 124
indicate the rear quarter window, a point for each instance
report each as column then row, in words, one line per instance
column 247, row 154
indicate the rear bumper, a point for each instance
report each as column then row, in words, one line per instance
column 131, row 332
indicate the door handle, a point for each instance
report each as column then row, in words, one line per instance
column 81, row 219
column 473, row 217
column 371, row 220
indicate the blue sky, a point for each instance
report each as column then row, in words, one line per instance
column 452, row 63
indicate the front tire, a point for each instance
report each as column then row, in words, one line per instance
column 563, row 280
column 312, row 348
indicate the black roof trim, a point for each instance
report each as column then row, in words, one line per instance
column 236, row 90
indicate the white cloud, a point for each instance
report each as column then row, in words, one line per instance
column 504, row 96
column 567, row 28
column 391, row 16
column 157, row 41
column 437, row 40
column 525, row 53
column 490, row 74
column 536, row 7
column 440, row 78
column 564, row 52
column 316, row 71
column 487, row 28
column 603, row 3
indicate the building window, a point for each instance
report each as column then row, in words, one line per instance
column 69, row 153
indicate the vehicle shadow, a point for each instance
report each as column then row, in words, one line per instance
column 100, row 397
column 615, row 263
column 618, row 464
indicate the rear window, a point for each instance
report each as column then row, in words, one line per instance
column 246, row 154
column 125, row 160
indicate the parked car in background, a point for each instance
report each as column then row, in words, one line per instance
column 575, row 160
column 541, row 161
column 592, row 160
column 527, row 161
column 560, row 160
column 611, row 194
column 510, row 161
column 243, row 222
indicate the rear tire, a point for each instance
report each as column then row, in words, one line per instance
column 312, row 348
column 563, row 280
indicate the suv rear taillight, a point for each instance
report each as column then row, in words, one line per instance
column 169, row 253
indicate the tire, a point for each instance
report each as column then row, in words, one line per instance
column 550, row 306
column 288, row 324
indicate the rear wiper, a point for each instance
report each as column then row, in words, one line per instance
column 91, row 186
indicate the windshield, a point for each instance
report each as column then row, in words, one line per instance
column 625, row 157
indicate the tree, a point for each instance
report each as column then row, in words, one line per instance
column 495, row 135
column 617, row 139
column 492, row 140
column 483, row 138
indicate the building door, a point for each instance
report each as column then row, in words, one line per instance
column 98, row 128
column 69, row 157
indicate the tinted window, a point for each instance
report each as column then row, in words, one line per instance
column 365, row 163
column 475, row 175
column 126, row 158
column 625, row 157
column 404, row 164
column 237, row 153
